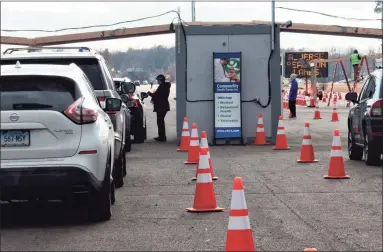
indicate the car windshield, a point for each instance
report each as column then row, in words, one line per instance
column 90, row 67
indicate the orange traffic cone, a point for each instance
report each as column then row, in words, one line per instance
column 204, row 145
column 239, row 234
column 205, row 198
column 335, row 116
column 336, row 168
column 193, row 150
column 324, row 99
column 281, row 138
column 317, row 112
column 307, row 155
column 260, row 138
column 184, row 144
column 310, row 250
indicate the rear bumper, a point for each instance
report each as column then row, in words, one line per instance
column 51, row 182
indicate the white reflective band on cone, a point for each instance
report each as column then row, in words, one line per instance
column 306, row 131
column 239, row 223
column 194, row 133
column 259, row 129
column 203, row 162
column 260, row 121
column 336, row 141
column 204, row 143
column 204, row 178
column 307, row 142
column 194, row 143
column 336, row 153
column 238, row 200
column 185, row 133
column 185, row 125
column 281, row 124
column 280, row 132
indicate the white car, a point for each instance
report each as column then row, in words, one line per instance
column 55, row 137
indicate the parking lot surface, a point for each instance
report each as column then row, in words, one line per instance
column 291, row 206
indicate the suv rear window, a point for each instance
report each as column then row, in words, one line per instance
column 37, row 93
column 90, row 67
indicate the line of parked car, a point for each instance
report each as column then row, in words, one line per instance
column 66, row 126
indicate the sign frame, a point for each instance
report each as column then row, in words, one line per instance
column 216, row 138
column 286, row 58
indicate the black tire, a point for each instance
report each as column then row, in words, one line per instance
column 100, row 202
column 372, row 156
column 355, row 152
column 128, row 143
column 140, row 134
column 118, row 176
column 124, row 165
column 113, row 195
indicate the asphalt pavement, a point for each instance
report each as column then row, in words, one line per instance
column 291, row 206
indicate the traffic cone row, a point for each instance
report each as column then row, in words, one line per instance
column 317, row 112
column 335, row 116
column 239, row 234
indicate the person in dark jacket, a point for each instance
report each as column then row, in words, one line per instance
column 161, row 105
column 293, row 95
column 355, row 60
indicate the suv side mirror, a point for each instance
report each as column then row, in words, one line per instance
column 143, row 95
column 128, row 87
column 113, row 104
column 351, row 96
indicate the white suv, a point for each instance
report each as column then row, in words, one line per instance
column 56, row 140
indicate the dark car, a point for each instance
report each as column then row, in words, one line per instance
column 95, row 68
column 365, row 121
column 137, row 109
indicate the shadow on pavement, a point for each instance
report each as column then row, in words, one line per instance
column 41, row 214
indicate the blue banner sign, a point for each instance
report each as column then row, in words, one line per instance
column 227, row 92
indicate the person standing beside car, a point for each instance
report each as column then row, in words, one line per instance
column 161, row 105
column 293, row 95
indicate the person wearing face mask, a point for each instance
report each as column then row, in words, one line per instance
column 161, row 105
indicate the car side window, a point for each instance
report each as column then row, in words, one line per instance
column 108, row 75
column 362, row 92
column 368, row 90
column 89, row 85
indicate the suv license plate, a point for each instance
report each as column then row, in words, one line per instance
column 15, row 138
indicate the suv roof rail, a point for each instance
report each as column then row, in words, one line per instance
column 39, row 48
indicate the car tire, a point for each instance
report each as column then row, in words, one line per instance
column 371, row 155
column 128, row 143
column 140, row 135
column 99, row 207
column 355, row 152
column 124, row 165
column 118, row 175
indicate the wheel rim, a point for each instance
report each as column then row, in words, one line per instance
column 349, row 143
column 365, row 147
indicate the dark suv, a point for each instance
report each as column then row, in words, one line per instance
column 95, row 67
column 365, row 120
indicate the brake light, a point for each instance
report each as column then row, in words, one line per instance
column 102, row 102
column 80, row 114
column 134, row 101
column 377, row 108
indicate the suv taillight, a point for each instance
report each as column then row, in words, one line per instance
column 80, row 114
column 377, row 108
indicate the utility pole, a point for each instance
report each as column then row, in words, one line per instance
column 193, row 12
column 273, row 26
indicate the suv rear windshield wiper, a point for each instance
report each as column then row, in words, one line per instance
column 26, row 106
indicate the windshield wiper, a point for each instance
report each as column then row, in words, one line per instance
column 20, row 106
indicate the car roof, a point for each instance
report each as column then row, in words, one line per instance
column 34, row 55
column 71, row 71
column 126, row 79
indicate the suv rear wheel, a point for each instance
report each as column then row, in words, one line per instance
column 118, row 170
column 99, row 208
column 355, row 152
column 372, row 156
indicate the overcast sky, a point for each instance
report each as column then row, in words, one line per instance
column 56, row 15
